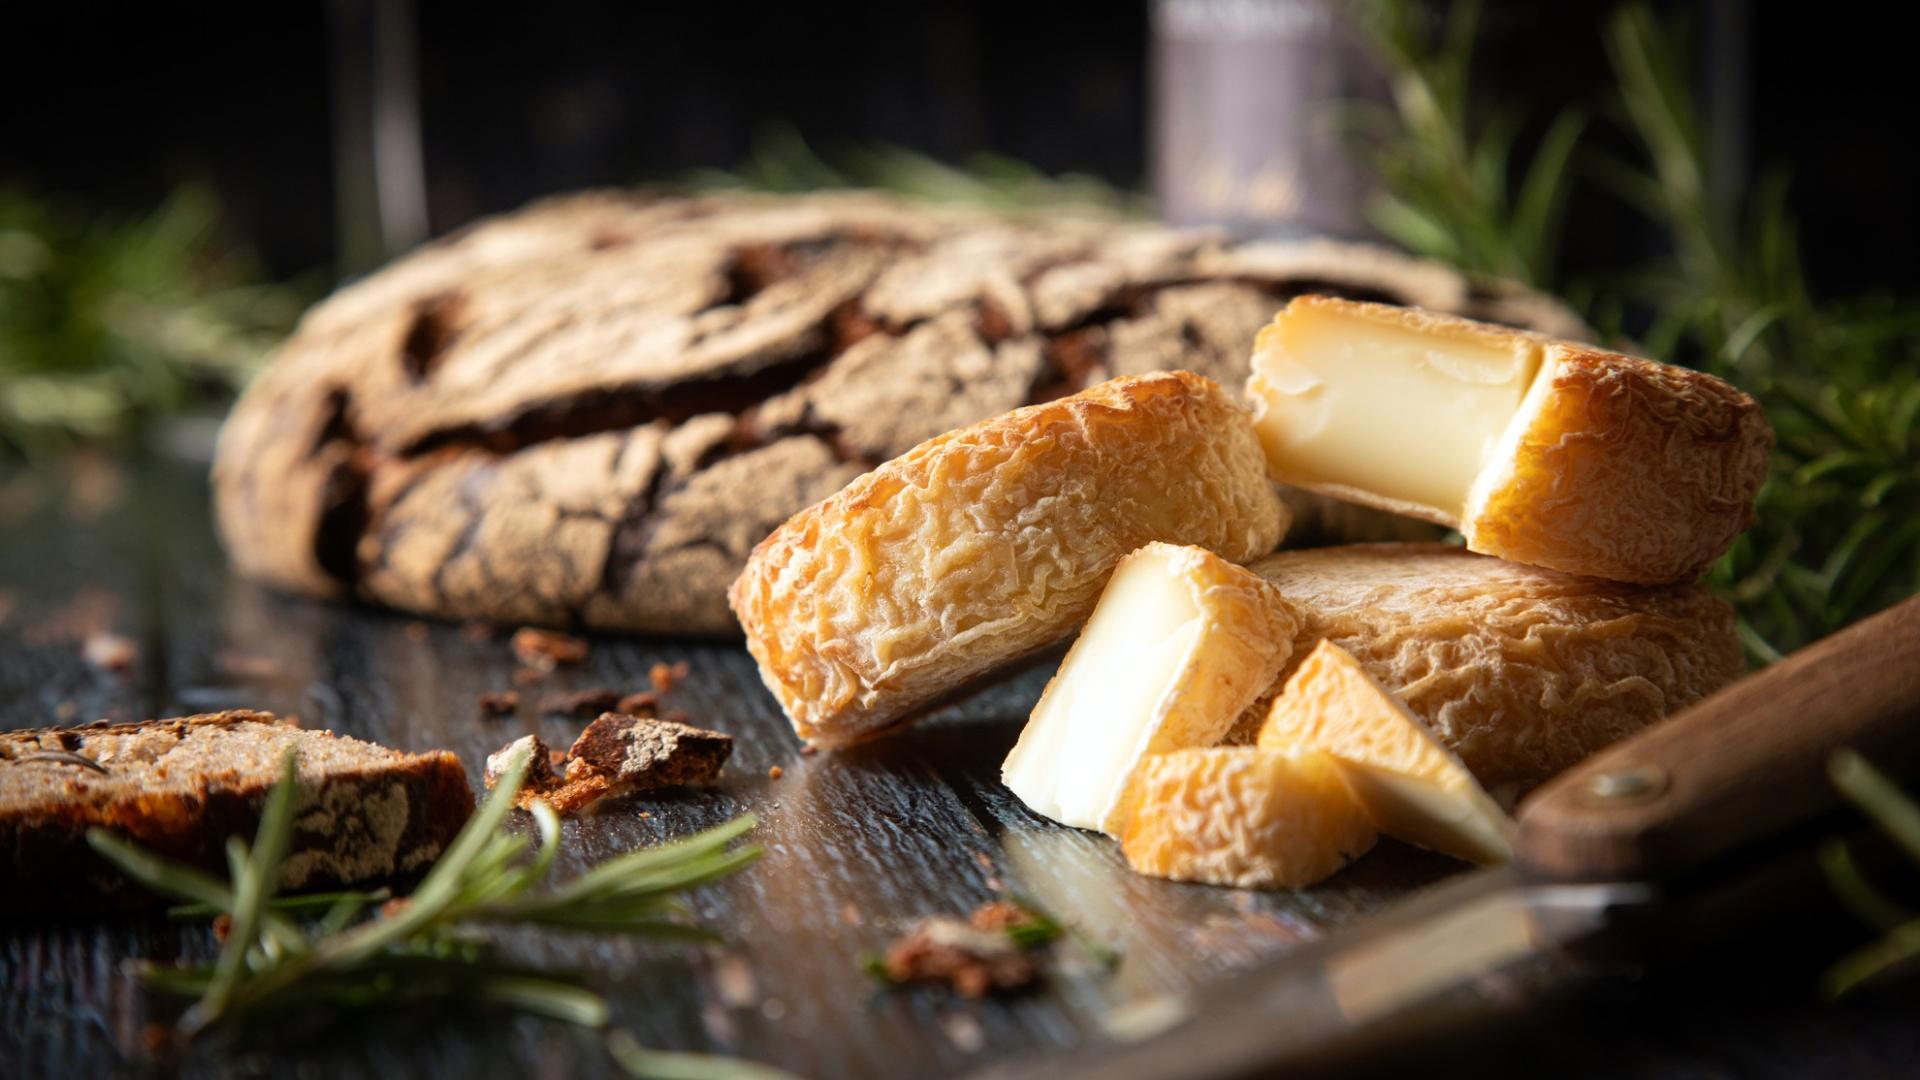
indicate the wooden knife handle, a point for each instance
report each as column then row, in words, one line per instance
column 1736, row 768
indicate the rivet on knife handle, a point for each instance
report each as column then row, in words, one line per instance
column 1736, row 768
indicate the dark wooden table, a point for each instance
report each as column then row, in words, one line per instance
column 860, row 843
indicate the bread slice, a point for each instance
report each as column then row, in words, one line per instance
column 1181, row 643
column 1541, row 451
column 1520, row 671
column 1413, row 788
column 1244, row 817
column 182, row 787
column 991, row 542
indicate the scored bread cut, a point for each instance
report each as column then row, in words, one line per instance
column 991, row 542
column 1413, row 788
column 181, row 787
column 1519, row 670
column 1245, row 817
column 1538, row 450
column 1181, row 642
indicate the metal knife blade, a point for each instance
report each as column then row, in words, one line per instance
column 1447, row 937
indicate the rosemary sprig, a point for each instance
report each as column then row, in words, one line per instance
column 1898, row 817
column 429, row 946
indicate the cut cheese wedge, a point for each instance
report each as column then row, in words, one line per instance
column 1413, row 788
column 1181, row 642
column 1541, row 451
column 1246, row 817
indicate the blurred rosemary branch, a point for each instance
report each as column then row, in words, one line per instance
column 107, row 323
column 1898, row 816
column 1837, row 534
column 782, row 161
column 430, row 946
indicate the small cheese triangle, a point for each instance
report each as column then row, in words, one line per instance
column 1413, row 787
column 1246, row 817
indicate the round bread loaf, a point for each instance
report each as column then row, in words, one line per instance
column 589, row 411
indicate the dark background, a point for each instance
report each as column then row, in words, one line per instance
column 115, row 103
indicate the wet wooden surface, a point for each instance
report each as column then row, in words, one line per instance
column 859, row 843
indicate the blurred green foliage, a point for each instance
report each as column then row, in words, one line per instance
column 1837, row 535
column 106, row 323
column 783, row 161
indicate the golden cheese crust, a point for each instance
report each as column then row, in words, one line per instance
column 1244, row 817
column 1623, row 468
column 991, row 542
column 1519, row 670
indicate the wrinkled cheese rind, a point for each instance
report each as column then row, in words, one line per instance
column 990, row 542
column 1413, row 788
column 1624, row 469
column 1520, row 671
column 1244, row 817
column 1181, row 643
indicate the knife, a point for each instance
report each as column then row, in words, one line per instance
column 1630, row 839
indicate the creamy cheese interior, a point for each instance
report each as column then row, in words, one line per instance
column 1414, row 788
column 1365, row 398
column 1097, row 717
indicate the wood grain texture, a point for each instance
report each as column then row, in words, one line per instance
column 861, row 843
column 1740, row 766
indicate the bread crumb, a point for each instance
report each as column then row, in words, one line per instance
column 499, row 702
column 545, row 650
column 579, row 702
column 665, row 677
column 109, row 651
column 775, row 773
column 946, row 950
column 641, row 703
column 222, row 927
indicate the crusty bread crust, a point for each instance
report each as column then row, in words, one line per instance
column 181, row 787
column 1519, row 670
column 989, row 543
column 1623, row 468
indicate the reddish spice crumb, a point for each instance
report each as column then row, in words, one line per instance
column 664, row 677
column 110, row 652
column 157, row 1039
column 394, row 907
column 999, row 915
column 222, row 927
column 547, row 649
column 591, row 702
column 416, row 631
column 973, row 962
column 775, row 773
column 242, row 665
column 499, row 702
column 641, row 703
